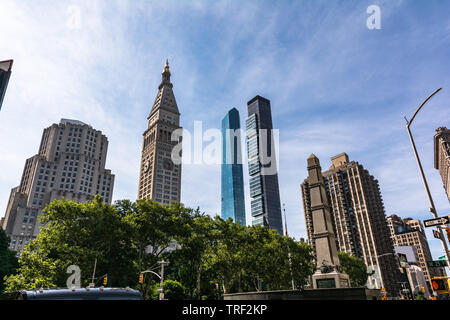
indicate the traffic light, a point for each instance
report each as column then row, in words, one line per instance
column 141, row 278
column 105, row 280
column 438, row 284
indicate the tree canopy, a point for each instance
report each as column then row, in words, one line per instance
column 8, row 260
column 214, row 256
column 355, row 268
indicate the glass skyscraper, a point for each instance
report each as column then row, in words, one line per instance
column 263, row 180
column 233, row 205
column 5, row 73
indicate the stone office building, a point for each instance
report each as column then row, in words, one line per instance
column 410, row 232
column 358, row 219
column 160, row 177
column 70, row 164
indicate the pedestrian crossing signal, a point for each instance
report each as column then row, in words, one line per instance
column 105, row 281
column 438, row 284
column 141, row 278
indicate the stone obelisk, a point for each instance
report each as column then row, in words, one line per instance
column 329, row 272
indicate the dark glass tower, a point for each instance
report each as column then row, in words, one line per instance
column 263, row 180
column 233, row 205
column 5, row 73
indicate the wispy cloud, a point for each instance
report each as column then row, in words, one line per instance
column 335, row 86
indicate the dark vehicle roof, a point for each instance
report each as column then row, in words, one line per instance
column 81, row 294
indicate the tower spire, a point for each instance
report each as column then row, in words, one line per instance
column 166, row 67
column 165, row 75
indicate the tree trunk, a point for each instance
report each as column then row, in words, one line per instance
column 199, row 272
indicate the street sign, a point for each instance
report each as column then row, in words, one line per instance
column 437, row 263
column 437, row 221
column 436, row 234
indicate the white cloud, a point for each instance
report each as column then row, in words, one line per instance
column 334, row 86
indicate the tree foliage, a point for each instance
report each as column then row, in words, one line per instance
column 355, row 268
column 235, row 258
column 217, row 256
column 8, row 260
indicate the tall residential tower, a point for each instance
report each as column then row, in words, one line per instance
column 160, row 177
column 70, row 164
column 232, row 182
column 358, row 219
column 262, row 167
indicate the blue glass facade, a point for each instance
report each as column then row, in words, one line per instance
column 232, row 183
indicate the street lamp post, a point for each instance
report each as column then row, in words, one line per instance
column 289, row 253
column 430, row 199
column 161, row 289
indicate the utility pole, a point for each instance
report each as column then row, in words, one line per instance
column 289, row 253
column 430, row 199
column 161, row 289
column 92, row 284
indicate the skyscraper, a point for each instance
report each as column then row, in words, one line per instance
column 5, row 74
column 160, row 177
column 70, row 164
column 232, row 182
column 358, row 218
column 264, row 190
column 410, row 232
column 442, row 156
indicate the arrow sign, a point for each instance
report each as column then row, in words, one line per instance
column 436, row 221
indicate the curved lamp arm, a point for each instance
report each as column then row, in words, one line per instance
column 408, row 123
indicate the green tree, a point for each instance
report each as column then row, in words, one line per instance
column 355, row 268
column 217, row 256
column 173, row 290
column 153, row 228
column 77, row 233
column 227, row 256
column 302, row 261
column 188, row 262
column 256, row 258
column 8, row 259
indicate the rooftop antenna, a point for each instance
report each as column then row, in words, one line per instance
column 285, row 221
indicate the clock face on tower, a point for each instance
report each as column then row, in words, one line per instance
column 168, row 164
column 146, row 166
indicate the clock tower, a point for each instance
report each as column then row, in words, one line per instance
column 160, row 171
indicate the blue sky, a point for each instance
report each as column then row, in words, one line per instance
column 335, row 86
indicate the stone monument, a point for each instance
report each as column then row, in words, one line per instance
column 328, row 273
